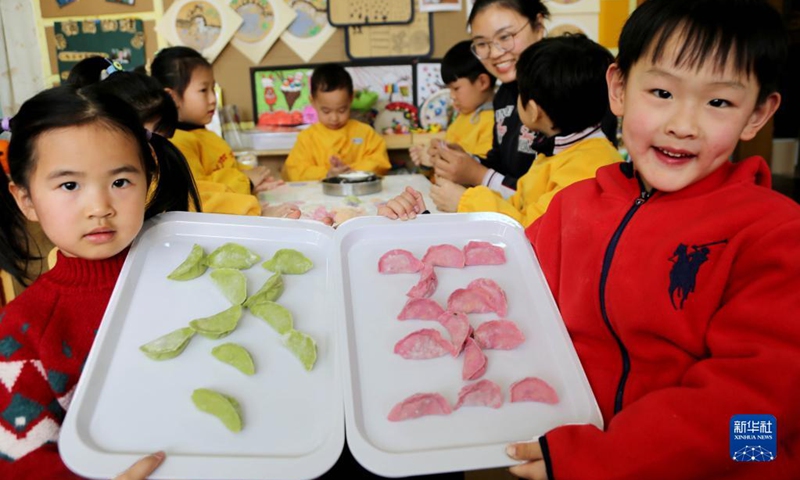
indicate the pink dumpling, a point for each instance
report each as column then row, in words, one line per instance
column 427, row 283
column 467, row 300
column 474, row 361
column 458, row 327
column 444, row 256
column 495, row 295
column 498, row 335
column 484, row 253
column 422, row 345
column 421, row 309
column 485, row 393
column 399, row 261
column 420, row 405
column 533, row 389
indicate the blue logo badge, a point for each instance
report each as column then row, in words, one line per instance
column 754, row 438
column 358, row 141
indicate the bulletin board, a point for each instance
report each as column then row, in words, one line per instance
column 93, row 8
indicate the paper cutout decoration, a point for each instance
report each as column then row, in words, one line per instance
column 345, row 13
column 264, row 22
column 310, row 30
column 391, row 41
column 204, row 25
column 440, row 5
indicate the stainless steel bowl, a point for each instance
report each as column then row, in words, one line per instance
column 341, row 188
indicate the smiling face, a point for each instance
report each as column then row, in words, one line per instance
column 680, row 123
column 492, row 24
column 333, row 108
column 198, row 102
column 90, row 202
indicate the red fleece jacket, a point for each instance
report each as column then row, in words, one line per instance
column 684, row 309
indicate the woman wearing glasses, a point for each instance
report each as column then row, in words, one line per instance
column 501, row 30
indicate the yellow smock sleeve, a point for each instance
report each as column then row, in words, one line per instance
column 217, row 198
column 300, row 165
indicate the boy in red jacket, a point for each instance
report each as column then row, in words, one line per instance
column 678, row 276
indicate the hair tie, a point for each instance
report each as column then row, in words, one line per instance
column 5, row 123
column 113, row 67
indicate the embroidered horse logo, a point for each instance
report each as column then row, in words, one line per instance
column 686, row 264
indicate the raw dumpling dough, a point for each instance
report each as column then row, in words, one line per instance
column 232, row 255
column 303, row 347
column 232, row 283
column 219, row 325
column 236, row 356
column 168, row 346
column 288, row 261
column 192, row 267
column 271, row 291
column 276, row 315
column 225, row 408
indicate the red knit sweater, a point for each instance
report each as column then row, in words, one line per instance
column 45, row 336
column 701, row 288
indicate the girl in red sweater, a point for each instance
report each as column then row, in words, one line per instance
column 81, row 165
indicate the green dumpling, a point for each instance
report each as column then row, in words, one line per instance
column 232, row 283
column 276, row 315
column 219, row 325
column 192, row 267
column 287, row 260
column 232, row 255
column 168, row 346
column 303, row 347
column 225, row 408
column 271, row 291
column 236, row 356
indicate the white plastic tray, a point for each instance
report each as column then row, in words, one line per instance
column 127, row 405
column 375, row 378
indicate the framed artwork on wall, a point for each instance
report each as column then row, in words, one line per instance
column 310, row 30
column 264, row 22
column 345, row 13
column 282, row 95
column 391, row 41
column 204, row 25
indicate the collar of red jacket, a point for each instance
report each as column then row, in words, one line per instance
column 621, row 180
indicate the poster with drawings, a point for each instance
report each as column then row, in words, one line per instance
column 439, row 5
column 429, row 80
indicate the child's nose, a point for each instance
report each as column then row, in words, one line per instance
column 683, row 121
column 100, row 205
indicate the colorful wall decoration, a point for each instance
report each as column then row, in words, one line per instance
column 310, row 30
column 121, row 40
column 204, row 25
column 263, row 23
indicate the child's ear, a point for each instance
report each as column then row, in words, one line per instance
column 616, row 89
column 175, row 97
column 483, row 81
column 23, row 199
column 760, row 116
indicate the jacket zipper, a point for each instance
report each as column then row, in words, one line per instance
column 609, row 256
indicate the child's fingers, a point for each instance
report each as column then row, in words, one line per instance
column 386, row 211
column 143, row 468
column 530, row 470
column 525, row 450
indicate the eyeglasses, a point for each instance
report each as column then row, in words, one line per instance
column 503, row 43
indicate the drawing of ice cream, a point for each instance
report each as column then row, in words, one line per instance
column 291, row 89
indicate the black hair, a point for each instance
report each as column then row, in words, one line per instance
column 459, row 62
column 330, row 77
column 88, row 71
column 566, row 77
column 173, row 67
column 146, row 96
column 749, row 32
column 67, row 106
column 530, row 9
column 153, row 104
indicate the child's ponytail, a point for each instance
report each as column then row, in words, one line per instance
column 14, row 245
column 175, row 188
